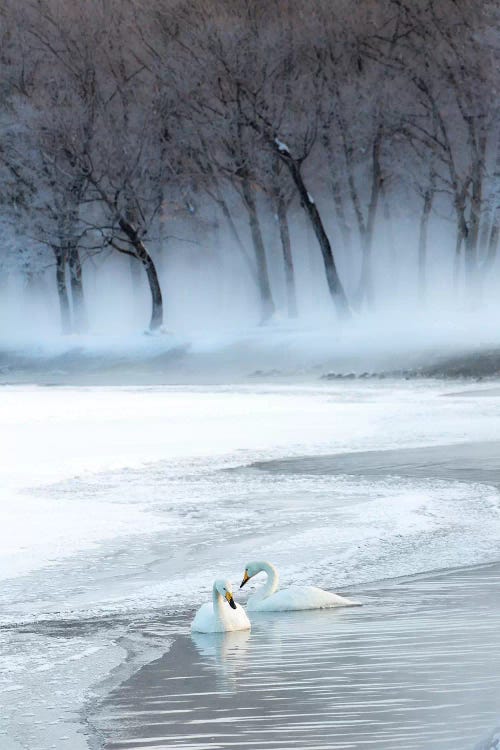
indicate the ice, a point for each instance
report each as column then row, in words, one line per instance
column 37, row 531
column 417, row 667
column 122, row 503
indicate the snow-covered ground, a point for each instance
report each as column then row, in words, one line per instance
column 298, row 350
column 119, row 503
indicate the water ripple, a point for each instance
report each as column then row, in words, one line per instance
column 418, row 667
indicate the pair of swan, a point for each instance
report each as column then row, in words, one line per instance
column 223, row 614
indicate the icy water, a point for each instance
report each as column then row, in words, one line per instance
column 110, row 539
column 463, row 462
column 417, row 667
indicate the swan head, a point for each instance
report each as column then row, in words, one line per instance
column 224, row 588
column 251, row 569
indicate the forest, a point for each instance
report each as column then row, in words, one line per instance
column 247, row 159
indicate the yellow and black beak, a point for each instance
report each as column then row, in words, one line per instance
column 230, row 599
column 246, row 578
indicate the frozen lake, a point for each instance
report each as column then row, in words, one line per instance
column 417, row 668
column 119, row 506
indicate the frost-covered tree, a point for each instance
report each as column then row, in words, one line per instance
column 119, row 119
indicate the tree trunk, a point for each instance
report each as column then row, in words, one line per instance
column 492, row 250
column 62, row 289
column 266, row 300
column 232, row 228
column 219, row 199
column 477, row 141
column 422, row 238
column 389, row 235
column 335, row 287
column 470, row 247
column 491, row 245
column 456, row 260
column 135, row 276
column 365, row 289
column 148, row 264
column 338, row 202
column 422, row 246
column 78, row 299
column 291, row 294
column 365, row 286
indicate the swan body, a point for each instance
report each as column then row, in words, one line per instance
column 269, row 599
column 222, row 613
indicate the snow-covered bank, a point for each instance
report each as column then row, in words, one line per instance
column 50, row 435
column 459, row 345
column 118, row 507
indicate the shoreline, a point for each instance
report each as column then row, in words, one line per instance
column 336, row 528
column 465, row 462
column 217, row 678
column 255, row 355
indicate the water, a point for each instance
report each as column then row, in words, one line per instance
column 120, row 506
column 466, row 462
column 417, row 667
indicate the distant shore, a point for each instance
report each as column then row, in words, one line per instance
column 258, row 356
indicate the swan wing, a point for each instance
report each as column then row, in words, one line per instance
column 239, row 619
column 233, row 619
column 331, row 600
column 204, row 620
column 301, row 597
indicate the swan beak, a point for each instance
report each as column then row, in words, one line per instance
column 246, row 578
column 230, row 599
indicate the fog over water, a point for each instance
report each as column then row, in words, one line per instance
column 213, row 297
column 249, row 309
column 196, row 171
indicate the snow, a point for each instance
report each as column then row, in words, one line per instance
column 121, row 500
column 38, row 530
column 282, row 147
column 50, row 435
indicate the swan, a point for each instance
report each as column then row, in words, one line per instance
column 268, row 599
column 219, row 617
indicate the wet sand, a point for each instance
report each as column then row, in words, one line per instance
column 417, row 667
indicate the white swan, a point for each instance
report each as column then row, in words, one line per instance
column 220, row 616
column 268, row 599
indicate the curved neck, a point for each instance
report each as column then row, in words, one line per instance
column 218, row 604
column 272, row 582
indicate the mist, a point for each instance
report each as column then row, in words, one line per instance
column 249, row 284
column 305, row 186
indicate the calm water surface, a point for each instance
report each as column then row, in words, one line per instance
column 418, row 666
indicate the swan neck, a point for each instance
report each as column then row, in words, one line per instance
column 272, row 583
column 217, row 604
